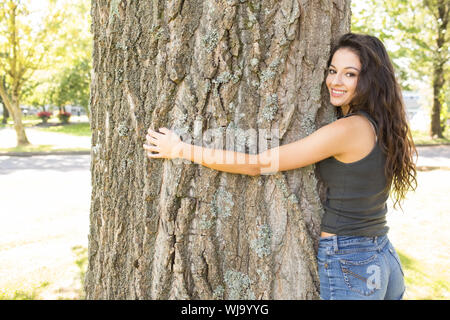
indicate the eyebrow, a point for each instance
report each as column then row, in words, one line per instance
column 346, row 67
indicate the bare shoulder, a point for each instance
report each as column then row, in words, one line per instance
column 361, row 135
column 354, row 125
column 341, row 138
column 363, row 126
column 345, row 127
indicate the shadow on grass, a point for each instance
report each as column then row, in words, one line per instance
column 421, row 285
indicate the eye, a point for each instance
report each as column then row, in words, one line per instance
column 349, row 74
column 331, row 71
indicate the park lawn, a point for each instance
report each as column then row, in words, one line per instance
column 79, row 126
column 82, row 129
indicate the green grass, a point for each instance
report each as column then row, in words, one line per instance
column 75, row 129
column 423, row 138
column 81, row 129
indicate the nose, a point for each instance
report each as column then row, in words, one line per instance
column 337, row 79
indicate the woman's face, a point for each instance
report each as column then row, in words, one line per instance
column 343, row 76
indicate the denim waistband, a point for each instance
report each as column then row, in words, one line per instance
column 343, row 244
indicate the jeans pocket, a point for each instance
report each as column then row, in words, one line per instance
column 362, row 276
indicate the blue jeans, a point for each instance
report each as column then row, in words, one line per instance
column 359, row 268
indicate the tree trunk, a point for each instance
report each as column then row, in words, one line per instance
column 438, row 83
column 13, row 107
column 441, row 11
column 168, row 229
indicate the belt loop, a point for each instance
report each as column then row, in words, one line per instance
column 375, row 239
column 335, row 244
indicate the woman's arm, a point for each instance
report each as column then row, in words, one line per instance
column 333, row 139
column 169, row 146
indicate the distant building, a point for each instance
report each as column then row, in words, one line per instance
column 76, row 110
column 412, row 103
column 418, row 115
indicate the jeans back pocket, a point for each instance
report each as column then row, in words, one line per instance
column 362, row 276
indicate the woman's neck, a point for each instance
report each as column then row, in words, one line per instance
column 345, row 109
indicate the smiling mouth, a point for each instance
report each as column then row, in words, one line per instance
column 337, row 93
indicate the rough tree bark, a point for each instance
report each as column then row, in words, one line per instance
column 161, row 229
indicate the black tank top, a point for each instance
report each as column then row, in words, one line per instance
column 355, row 203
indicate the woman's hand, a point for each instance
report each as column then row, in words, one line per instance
column 167, row 144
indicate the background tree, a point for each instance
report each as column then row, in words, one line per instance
column 72, row 85
column 24, row 48
column 440, row 11
column 418, row 37
column 170, row 230
column 67, row 80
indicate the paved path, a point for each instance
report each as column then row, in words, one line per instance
column 434, row 156
column 45, row 203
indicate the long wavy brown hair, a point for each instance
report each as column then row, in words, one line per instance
column 379, row 94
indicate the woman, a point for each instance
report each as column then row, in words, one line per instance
column 361, row 157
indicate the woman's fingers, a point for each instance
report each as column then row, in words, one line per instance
column 151, row 139
column 154, row 149
column 162, row 143
column 154, row 133
column 154, row 155
column 151, row 148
